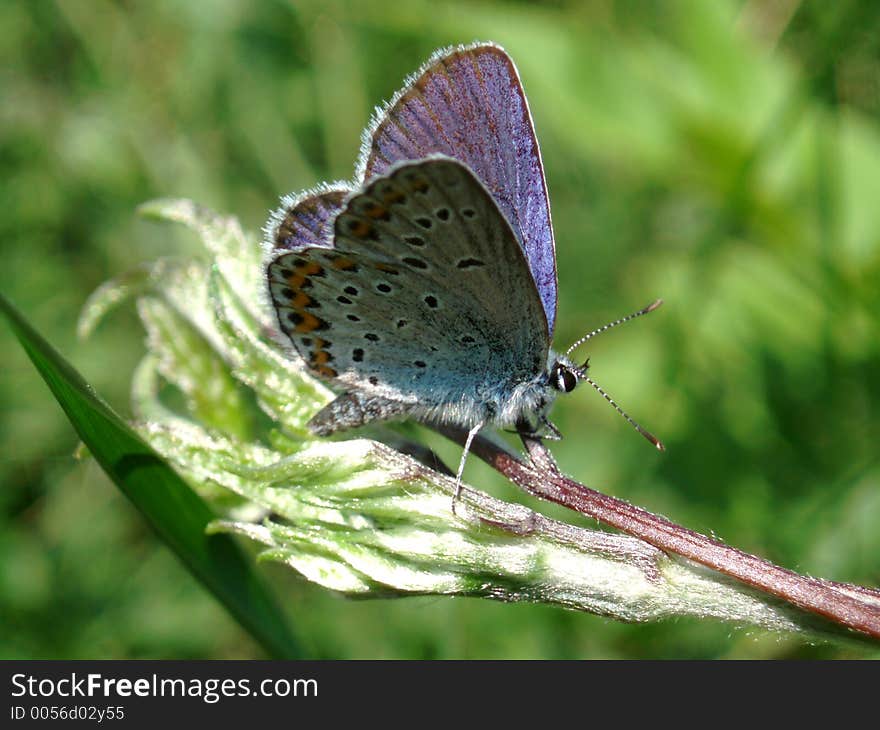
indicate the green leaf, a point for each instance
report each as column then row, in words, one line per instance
column 178, row 515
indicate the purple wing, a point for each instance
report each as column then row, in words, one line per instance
column 306, row 220
column 468, row 103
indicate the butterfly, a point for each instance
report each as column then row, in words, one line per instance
column 427, row 288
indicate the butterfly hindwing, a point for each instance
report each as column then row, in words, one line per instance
column 468, row 103
column 426, row 297
column 306, row 220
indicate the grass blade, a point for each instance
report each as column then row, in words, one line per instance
column 176, row 513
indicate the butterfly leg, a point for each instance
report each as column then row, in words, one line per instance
column 549, row 431
column 552, row 433
column 467, row 447
column 354, row 409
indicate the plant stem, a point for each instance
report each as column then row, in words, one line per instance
column 850, row 606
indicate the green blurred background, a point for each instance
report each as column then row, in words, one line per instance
column 723, row 155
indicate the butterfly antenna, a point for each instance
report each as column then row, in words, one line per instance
column 650, row 308
column 647, row 434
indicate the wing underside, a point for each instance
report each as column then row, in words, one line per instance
column 426, row 296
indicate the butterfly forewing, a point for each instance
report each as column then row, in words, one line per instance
column 426, row 296
column 469, row 104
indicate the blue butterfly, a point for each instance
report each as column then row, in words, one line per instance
column 427, row 287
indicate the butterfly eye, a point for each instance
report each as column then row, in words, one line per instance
column 566, row 380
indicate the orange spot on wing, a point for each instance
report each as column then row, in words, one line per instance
column 346, row 264
column 326, row 371
column 301, row 300
column 361, row 229
column 308, row 322
column 310, row 268
column 418, row 184
column 377, row 211
column 302, row 272
column 393, row 195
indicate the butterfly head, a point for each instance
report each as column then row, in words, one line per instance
column 564, row 375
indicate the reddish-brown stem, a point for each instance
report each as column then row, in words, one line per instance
column 852, row 606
